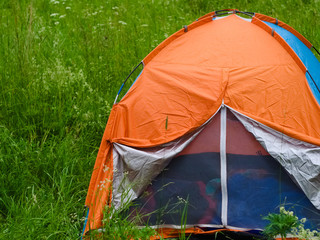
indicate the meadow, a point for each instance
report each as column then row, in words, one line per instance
column 61, row 65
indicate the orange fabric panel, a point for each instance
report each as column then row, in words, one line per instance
column 285, row 26
column 237, row 46
column 162, row 45
column 185, row 82
column 277, row 96
column 199, row 23
column 291, row 238
column 171, row 101
column 173, row 233
column 101, row 190
column 284, row 44
column 230, row 42
column 101, row 158
column 290, row 51
column 170, row 232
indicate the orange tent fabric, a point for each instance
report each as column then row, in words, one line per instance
column 244, row 69
column 186, row 79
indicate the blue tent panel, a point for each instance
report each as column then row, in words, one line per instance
column 305, row 54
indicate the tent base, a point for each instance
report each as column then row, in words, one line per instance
column 217, row 234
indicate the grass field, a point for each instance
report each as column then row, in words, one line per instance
column 61, row 65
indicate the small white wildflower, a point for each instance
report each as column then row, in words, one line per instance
column 56, row 2
column 68, row 8
column 115, row 8
column 94, row 13
column 122, row 22
column 63, row 16
column 56, row 23
column 42, row 30
column 34, row 198
column 105, row 168
column 54, row 14
column 294, row 231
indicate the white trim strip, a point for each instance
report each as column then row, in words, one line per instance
column 223, row 165
column 172, row 226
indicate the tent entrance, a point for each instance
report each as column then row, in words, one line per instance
column 255, row 184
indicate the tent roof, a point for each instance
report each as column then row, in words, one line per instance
column 240, row 62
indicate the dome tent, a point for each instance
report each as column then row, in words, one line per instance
column 225, row 114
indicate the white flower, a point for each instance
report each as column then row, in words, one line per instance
column 63, row 16
column 105, row 168
column 54, row 14
column 122, row 22
column 56, row 23
column 68, row 8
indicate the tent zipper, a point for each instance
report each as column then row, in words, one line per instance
column 223, row 165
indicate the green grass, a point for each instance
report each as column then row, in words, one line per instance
column 61, row 65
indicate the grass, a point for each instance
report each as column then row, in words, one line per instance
column 61, row 65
